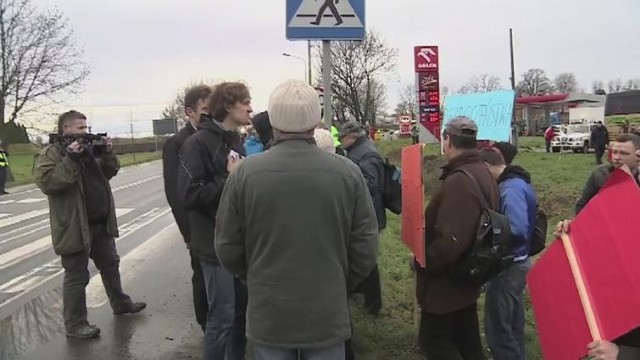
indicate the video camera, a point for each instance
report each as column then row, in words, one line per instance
column 93, row 143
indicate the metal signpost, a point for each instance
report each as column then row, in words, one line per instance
column 326, row 20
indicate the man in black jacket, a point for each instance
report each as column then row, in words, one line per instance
column 599, row 140
column 208, row 156
column 195, row 105
column 362, row 151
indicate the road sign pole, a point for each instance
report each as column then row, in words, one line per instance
column 326, row 78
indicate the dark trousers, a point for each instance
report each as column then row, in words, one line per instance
column 452, row 336
column 200, row 304
column 372, row 290
column 504, row 312
column 3, row 177
column 225, row 330
column 76, row 277
column 599, row 153
column 547, row 145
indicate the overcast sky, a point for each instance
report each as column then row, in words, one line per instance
column 142, row 51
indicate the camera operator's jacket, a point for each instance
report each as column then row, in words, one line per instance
column 59, row 177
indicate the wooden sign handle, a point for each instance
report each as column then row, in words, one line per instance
column 594, row 328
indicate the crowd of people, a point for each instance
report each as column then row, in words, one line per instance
column 282, row 227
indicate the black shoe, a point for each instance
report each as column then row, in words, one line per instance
column 130, row 308
column 84, row 332
column 3, row 192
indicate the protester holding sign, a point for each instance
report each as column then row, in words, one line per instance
column 449, row 328
column 626, row 156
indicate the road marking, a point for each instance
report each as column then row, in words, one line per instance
column 24, row 283
column 16, row 255
column 7, row 202
column 22, row 217
column 96, row 295
column 34, row 248
column 21, row 229
column 30, row 200
column 4, row 215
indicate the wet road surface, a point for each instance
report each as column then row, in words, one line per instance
column 154, row 267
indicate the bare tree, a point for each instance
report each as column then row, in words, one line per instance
column 481, row 83
column 632, row 84
column 565, row 83
column 597, row 85
column 39, row 59
column 534, row 82
column 175, row 110
column 408, row 103
column 615, row 86
column 445, row 91
column 359, row 69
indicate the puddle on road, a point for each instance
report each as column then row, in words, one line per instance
column 37, row 322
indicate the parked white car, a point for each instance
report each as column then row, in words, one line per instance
column 575, row 137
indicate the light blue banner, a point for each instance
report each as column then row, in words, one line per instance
column 492, row 112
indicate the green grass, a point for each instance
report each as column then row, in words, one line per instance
column 558, row 180
column 21, row 164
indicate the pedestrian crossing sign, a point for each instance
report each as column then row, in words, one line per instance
column 325, row 20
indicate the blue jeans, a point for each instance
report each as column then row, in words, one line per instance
column 504, row 312
column 225, row 326
column 272, row 353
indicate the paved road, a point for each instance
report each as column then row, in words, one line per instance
column 154, row 267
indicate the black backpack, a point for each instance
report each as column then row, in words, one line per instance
column 491, row 252
column 390, row 184
column 539, row 238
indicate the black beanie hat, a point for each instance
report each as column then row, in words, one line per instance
column 262, row 126
column 507, row 150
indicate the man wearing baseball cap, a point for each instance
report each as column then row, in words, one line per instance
column 298, row 225
column 449, row 327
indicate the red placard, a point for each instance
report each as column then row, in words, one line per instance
column 586, row 286
column 413, row 201
column 426, row 58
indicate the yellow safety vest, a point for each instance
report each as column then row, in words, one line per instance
column 334, row 133
column 3, row 159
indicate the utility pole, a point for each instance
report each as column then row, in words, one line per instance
column 133, row 148
column 309, row 62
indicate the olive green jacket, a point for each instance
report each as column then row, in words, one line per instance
column 59, row 177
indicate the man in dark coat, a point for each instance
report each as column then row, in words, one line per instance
column 449, row 328
column 208, row 157
column 195, row 105
column 362, row 151
column 599, row 140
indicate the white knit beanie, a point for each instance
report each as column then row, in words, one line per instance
column 294, row 107
column 324, row 140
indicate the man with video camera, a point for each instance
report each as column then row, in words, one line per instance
column 74, row 172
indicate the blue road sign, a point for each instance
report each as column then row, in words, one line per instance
column 325, row 19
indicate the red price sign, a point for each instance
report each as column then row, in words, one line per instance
column 434, row 98
column 434, row 117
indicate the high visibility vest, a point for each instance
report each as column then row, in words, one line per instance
column 334, row 133
column 3, row 159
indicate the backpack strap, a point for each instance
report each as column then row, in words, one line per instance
column 478, row 193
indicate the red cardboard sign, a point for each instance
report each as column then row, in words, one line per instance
column 413, row 201
column 604, row 240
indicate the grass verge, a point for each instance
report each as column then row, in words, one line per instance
column 22, row 163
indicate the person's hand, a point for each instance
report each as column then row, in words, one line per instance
column 562, row 227
column 603, row 350
column 75, row 148
column 108, row 142
column 233, row 162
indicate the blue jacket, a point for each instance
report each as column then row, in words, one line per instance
column 253, row 146
column 518, row 203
